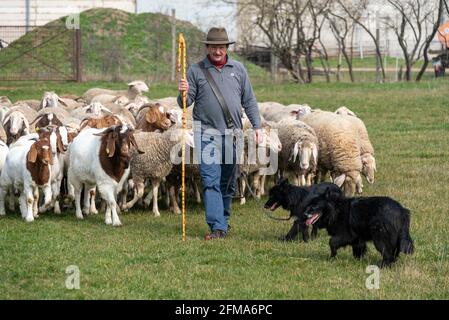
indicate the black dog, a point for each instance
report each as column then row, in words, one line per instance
column 290, row 197
column 354, row 221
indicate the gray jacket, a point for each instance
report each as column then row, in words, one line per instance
column 234, row 84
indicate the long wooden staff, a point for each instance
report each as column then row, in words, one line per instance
column 182, row 54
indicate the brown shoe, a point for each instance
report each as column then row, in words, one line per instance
column 216, row 234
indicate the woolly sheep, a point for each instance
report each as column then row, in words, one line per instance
column 156, row 163
column 299, row 154
column 366, row 148
column 135, row 89
column 345, row 111
column 339, row 149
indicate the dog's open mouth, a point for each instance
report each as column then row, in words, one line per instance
column 312, row 218
column 273, row 207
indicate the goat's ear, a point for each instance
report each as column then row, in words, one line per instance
column 151, row 116
column 6, row 120
column 51, row 158
column 110, row 144
column 32, row 154
column 59, row 144
column 62, row 102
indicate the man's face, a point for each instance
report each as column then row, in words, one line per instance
column 217, row 52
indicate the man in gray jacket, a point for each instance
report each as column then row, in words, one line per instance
column 211, row 128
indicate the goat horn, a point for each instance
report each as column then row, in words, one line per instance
column 38, row 118
column 146, row 105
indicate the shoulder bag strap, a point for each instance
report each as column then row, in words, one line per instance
column 218, row 94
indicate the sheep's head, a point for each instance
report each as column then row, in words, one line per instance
column 175, row 116
column 345, row 111
column 50, row 100
column 138, row 86
column 307, row 152
column 96, row 109
column 15, row 124
column 121, row 101
column 301, row 111
column 368, row 167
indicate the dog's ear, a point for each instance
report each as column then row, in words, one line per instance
column 283, row 181
column 327, row 193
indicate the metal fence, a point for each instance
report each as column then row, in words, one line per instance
column 53, row 53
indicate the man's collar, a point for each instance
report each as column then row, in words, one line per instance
column 208, row 64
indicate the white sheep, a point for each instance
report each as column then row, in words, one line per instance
column 366, row 148
column 135, row 89
column 3, row 153
column 156, row 163
column 299, row 154
column 276, row 112
column 345, row 111
column 339, row 149
column 251, row 163
column 17, row 122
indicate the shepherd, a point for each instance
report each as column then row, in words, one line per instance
column 219, row 86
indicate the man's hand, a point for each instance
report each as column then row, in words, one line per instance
column 258, row 133
column 183, row 85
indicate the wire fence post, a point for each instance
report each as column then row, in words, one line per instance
column 173, row 52
column 78, row 77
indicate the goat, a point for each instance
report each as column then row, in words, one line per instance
column 27, row 167
column 101, row 158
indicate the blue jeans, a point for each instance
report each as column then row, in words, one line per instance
column 218, row 170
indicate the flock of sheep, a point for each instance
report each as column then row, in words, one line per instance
column 116, row 142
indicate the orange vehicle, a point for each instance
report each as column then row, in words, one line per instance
column 441, row 61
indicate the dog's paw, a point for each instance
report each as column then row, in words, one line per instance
column 285, row 239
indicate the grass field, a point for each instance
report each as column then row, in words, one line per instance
column 146, row 259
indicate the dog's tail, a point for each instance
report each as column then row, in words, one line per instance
column 405, row 241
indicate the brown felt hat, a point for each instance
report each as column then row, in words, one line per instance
column 217, row 36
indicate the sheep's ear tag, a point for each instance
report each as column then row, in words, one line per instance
column 37, row 129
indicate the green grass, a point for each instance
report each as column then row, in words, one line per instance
column 146, row 259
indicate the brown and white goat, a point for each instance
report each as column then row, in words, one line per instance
column 27, row 168
column 100, row 158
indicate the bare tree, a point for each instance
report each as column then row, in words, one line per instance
column 291, row 28
column 353, row 10
column 340, row 27
column 435, row 24
column 408, row 21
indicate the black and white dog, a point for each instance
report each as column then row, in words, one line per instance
column 354, row 221
column 290, row 198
